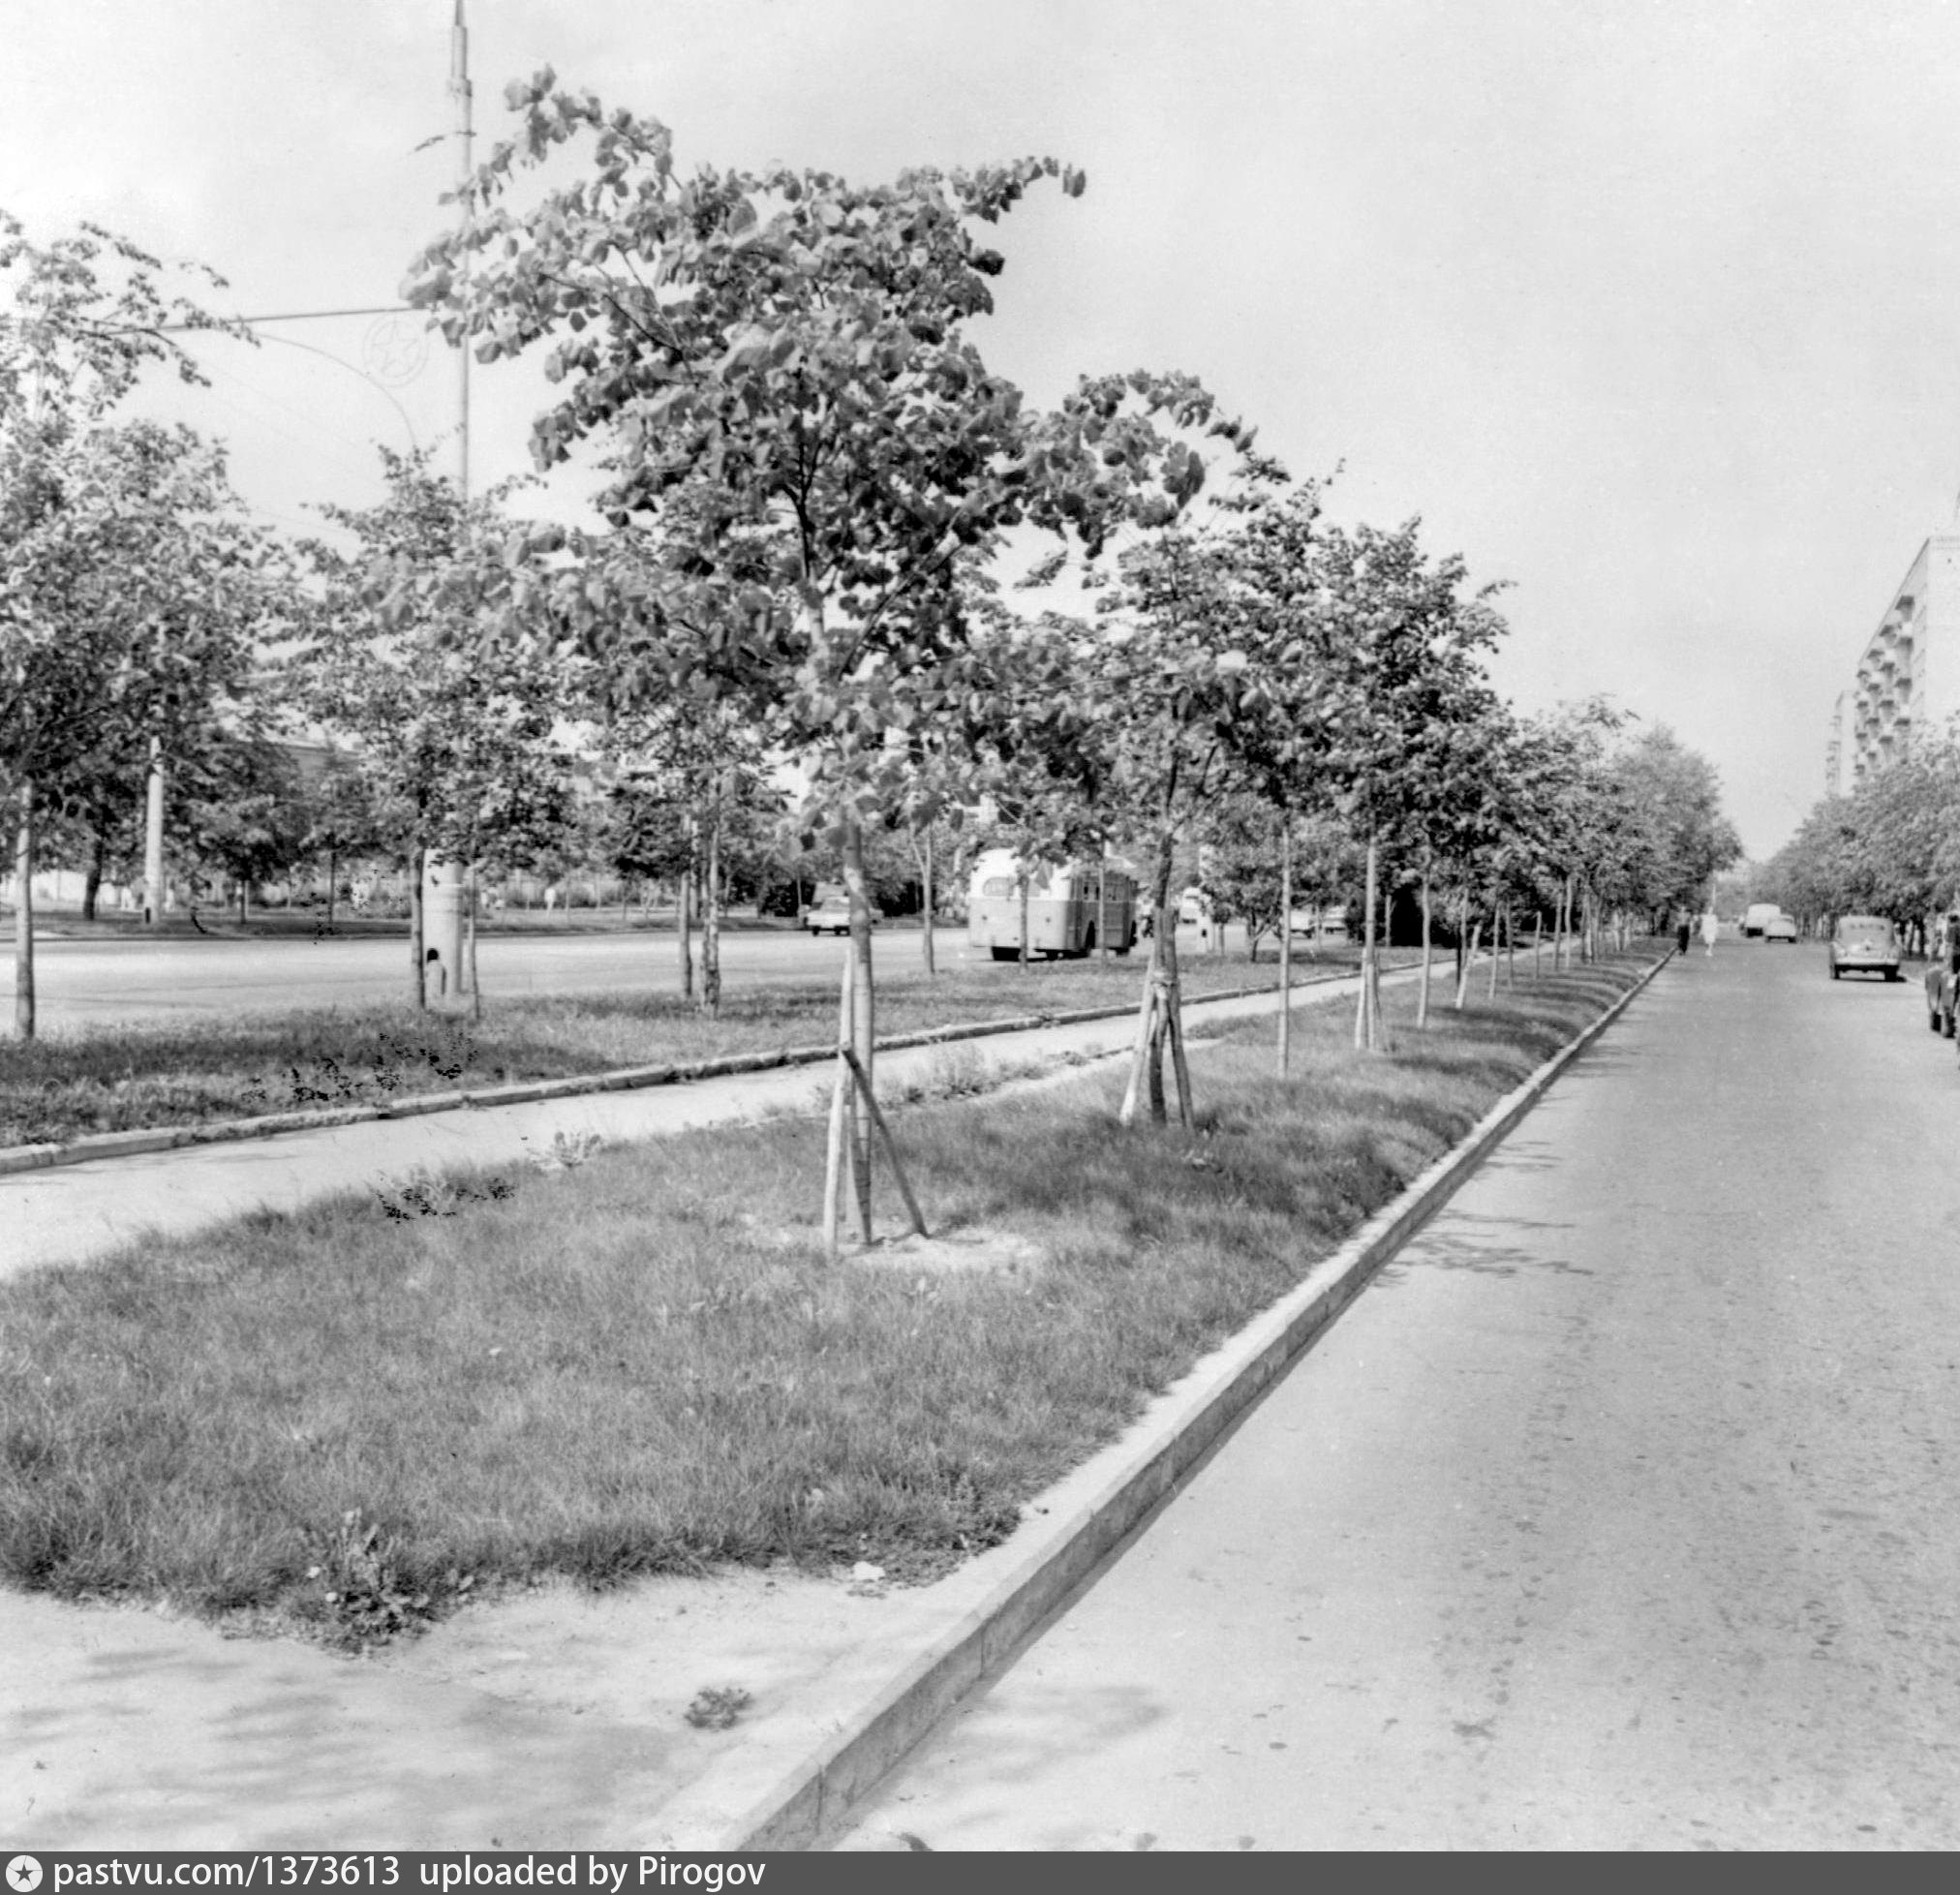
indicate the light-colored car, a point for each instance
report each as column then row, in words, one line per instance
column 1780, row 928
column 1864, row 944
column 1327, row 924
column 828, row 912
column 1755, row 919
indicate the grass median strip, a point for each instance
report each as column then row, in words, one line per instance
column 70, row 1083
column 351, row 1418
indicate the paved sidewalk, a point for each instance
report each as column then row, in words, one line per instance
column 71, row 1214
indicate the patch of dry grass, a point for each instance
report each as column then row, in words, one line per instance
column 352, row 1416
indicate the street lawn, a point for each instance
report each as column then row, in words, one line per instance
column 347, row 1419
column 127, row 1076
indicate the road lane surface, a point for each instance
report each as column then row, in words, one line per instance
column 1619, row 1513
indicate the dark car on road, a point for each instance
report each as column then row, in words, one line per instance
column 1864, row 944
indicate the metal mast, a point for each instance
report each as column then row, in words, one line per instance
column 459, row 92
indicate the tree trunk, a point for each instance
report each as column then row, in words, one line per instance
column 1368, row 1027
column 1378, row 1026
column 1285, row 944
column 1146, row 1062
column 684, row 921
column 863, row 1026
column 98, row 862
column 418, row 868
column 153, row 891
column 1102, row 903
column 470, row 944
column 1174, row 1027
column 1422, row 985
column 710, row 918
column 1537, row 941
column 23, row 915
column 1509, row 947
column 244, row 894
column 926, row 889
column 332, row 879
column 1469, row 955
column 1497, row 945
column 1025, row 877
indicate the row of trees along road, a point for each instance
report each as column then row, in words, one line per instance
column 134, row 591
column 814, row 487
column 1891, row 846
column 812, row 471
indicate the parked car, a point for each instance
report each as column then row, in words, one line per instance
column 828, row 912
column 1780, row 928
column 1864, row 944
column 1328, row 924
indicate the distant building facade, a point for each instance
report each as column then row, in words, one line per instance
column 1908, row 678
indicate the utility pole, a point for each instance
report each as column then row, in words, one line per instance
column 459, row 91
column 444, row 972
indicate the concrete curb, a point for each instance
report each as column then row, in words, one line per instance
column 229, row 1131
column 1065, row 1548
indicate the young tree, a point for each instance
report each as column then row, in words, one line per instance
column 1687, row 838
column 85, row 315
column 339, row 819
column 241, row 814
column 691, row 802
column 455, row 731
column 1367, row 659
column 1145, row 703
column 803, row 442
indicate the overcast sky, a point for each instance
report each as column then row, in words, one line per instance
column 1651, row 309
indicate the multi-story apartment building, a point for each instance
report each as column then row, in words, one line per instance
column 1908, row 678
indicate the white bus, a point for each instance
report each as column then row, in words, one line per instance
column 1061, row 906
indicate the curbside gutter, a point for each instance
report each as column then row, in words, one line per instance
column 227, row 1131
column 1095, row 1511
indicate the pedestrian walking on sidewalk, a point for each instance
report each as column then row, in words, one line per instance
column 1710, row 927
column 1684, row 932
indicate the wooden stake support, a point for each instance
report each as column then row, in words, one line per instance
column 837, row 1149
column 1175, row 1026
column 1147, row 1029
column 884, row 1132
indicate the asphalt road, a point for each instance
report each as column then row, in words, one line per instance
column 1622, row 1512
column 79, row 982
